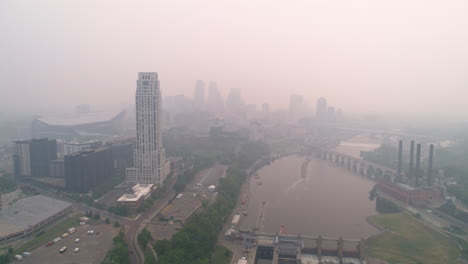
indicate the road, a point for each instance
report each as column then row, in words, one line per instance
column 134, row 227
column 206, row 177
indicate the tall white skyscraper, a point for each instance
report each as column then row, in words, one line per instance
column 150, row 165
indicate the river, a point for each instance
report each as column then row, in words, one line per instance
column 330, row 201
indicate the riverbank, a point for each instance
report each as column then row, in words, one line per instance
column 405, row 240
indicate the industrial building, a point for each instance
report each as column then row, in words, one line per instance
column 29, row 214
column 31, row 158
column 415, row 196
column 134, row 200
column 79, row 126
column 412, row 189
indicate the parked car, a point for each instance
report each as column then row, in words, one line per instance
column 63, row 249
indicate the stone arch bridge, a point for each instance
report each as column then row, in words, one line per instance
column 359, row 166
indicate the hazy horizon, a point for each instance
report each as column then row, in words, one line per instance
column 398, row 57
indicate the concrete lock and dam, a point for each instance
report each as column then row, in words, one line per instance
column 287, row 249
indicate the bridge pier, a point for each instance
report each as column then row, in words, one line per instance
column 340, row 249
column 319, row 247
column 298, row 257
column 275, row 256
column 361, row 249
column 362, row 169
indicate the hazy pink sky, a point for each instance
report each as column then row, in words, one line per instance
column 363, row 55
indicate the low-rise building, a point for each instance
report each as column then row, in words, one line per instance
column 29, row 214
column 134, row 200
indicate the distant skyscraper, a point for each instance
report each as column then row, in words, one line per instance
column 322, row 108
column 150, row 165
column 265, row 108
column 297, row 108
column 199, row 95
column 215, row 100
column 331, row 113
column 234, row 98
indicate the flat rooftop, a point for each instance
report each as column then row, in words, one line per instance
column 313, row 259
column 138, row 191
column 406, row 187
column 80, row 119
column 28, row 212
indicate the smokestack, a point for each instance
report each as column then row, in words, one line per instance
column 400, row 156
column 411, row 161
column 429, row 169
column 418, row 161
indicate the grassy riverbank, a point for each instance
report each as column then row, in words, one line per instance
column 408, row 241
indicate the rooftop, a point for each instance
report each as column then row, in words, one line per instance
column 80, row 119
column 28, row 212
column 405, row 187
column 88, row 151
column 138, row 191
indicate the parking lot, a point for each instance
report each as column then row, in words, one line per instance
column 181, row 208
column 93, row 248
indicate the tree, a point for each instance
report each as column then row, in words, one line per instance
column 107, row 221
column 144, row 237
column 116, row 224
column 96, row 216
column 119, row 253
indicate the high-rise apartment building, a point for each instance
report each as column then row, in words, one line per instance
column 150, row 165
column 32, row 157
column 199, row 95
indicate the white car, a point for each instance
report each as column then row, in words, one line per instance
column 90, row 232
column 76, row 250
column 63, row 249
column 77, row 240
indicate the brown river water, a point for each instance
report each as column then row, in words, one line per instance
column 330, row 201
